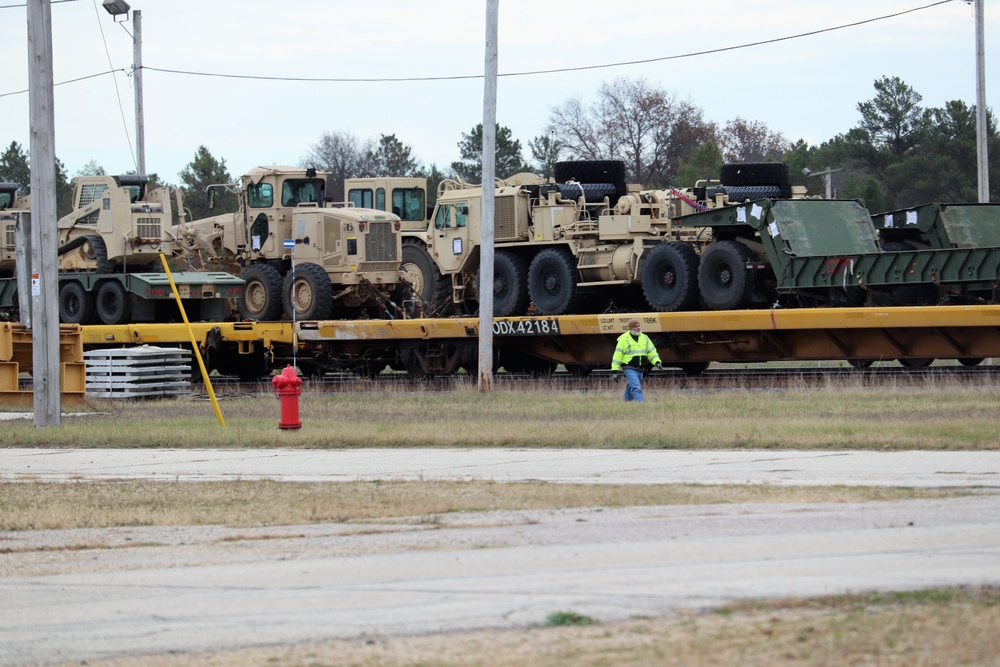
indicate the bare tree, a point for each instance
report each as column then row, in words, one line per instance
column 344, row 156
column 646, row 127
column 751, row 141
column 572, row 126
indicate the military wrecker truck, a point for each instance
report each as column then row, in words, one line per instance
column 346, row 259
column 109, row 265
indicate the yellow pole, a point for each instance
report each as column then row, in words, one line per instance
column 194, row 343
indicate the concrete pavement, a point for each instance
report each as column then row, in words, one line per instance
column 587, row 466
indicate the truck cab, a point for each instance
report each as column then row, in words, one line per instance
column 405, row 197
column 343, row 256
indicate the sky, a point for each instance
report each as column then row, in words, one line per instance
column 805, row 87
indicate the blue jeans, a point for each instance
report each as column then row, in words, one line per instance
column 633, row 390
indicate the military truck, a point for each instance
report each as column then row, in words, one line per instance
column 346, row 259
column 580, row 242
column 109, row 258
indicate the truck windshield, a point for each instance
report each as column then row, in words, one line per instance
column 295, row 191
column 408, row 203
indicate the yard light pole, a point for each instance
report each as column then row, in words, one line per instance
column 121, row 8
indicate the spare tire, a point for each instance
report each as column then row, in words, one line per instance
column 757, row 173
column 741, row 193
column 593, row 171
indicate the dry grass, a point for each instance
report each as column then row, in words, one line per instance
column 928, row 628
column 938, row 416
column 102, row 504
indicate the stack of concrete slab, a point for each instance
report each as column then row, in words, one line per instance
column 138, row 372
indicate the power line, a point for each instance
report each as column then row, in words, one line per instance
column 550, row 71
column 511, row 74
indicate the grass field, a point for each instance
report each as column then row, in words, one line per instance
column 936, row 416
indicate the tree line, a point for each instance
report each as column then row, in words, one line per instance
column 899, row 154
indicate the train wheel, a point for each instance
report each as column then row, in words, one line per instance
column 76, row 305
column 693, row 368
column 261, row 299
column 579, row 370
column 552, row 282
column 310, row 293
column 971, row 361
column 670, row 277
column 114, row 305
column 510, row 284
column 916, row 362
column 723, row 277
column 860, row 364
column 426, row 280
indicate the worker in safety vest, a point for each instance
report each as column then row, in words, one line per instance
column 634, row 355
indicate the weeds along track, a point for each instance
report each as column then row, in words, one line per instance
column 713, row 379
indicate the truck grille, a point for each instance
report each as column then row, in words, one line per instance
column 505, row 222
column 365, row 267
column 380, row 243
column 147, row 228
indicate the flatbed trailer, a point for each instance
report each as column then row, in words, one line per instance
column 686, row 340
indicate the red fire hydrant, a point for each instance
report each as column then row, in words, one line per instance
column 287, row 389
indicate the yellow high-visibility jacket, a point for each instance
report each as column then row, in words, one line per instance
column 629, row 348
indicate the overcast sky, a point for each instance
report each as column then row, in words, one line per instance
column 806, row 88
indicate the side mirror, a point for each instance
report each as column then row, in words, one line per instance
column 465, row 210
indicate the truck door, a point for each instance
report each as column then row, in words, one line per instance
column 451, row 235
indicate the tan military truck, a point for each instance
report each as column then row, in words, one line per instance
column 346, row 259
column 569, row 244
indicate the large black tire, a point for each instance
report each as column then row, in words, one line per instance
column 510, row 284
column 723, row 277
column 311, row 294
column 426, row 281
column 114, row 305
column 76, row 305
column 261, row 300
column 552, row 280
column 905, row 295
column 669, row 277
column 741, row 193
column 757, row 173
column 593, row 171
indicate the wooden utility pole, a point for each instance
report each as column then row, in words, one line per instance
column 140, row 129
column 981, row 125
column 44, row 279
column 487, row 227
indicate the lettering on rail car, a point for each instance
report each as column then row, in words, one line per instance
column 527, row 327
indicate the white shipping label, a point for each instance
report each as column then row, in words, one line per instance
column 888, row 222
column 773, row 228
column 911, row 217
